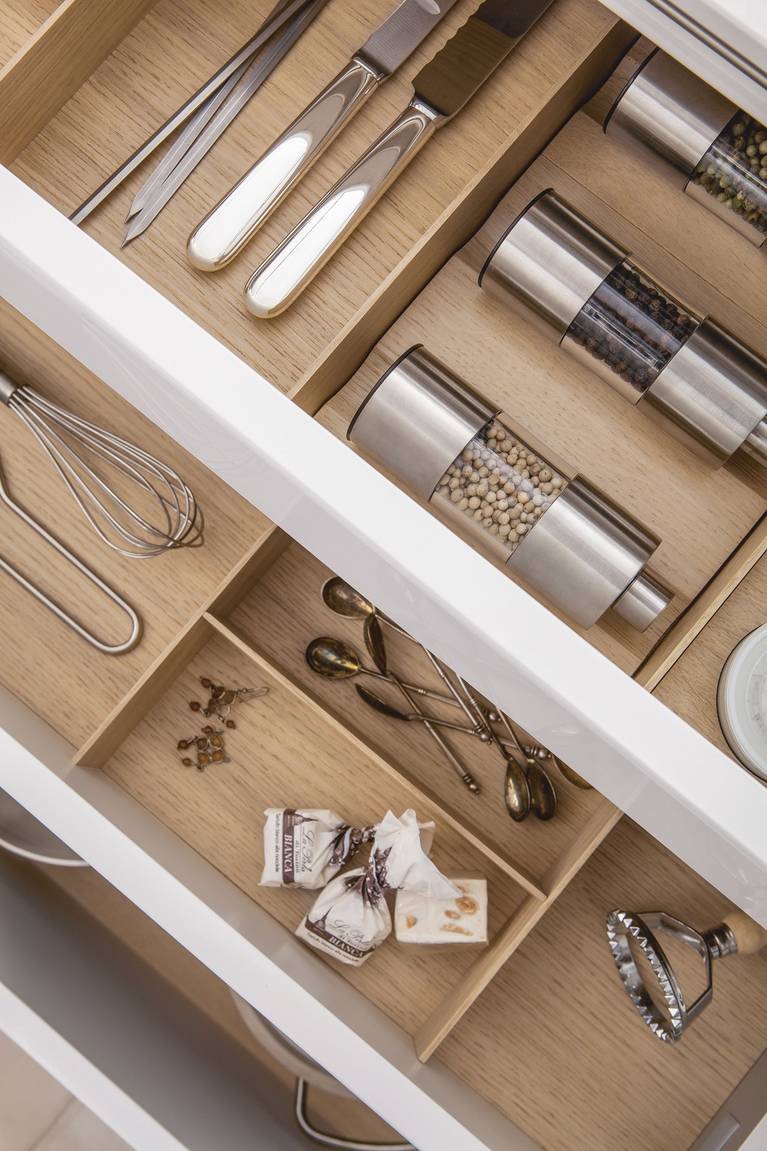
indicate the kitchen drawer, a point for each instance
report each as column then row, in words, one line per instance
column 21, row 20
column 132, row 1025
column 286, row 503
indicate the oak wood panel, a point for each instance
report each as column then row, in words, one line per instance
column 690, row 686
column 19, row 20
column 285, row 753
column 684, row 632
column 417, row 792
column 48, row 666
column 284, row 611
column 555, row 1043
column 700, row 515
column 180, row 42
column 58, row 58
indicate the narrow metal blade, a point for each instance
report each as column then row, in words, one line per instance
column 258, row 71
column 184, row 141
column 281, row 14
column 399, row 35
column 460, row 69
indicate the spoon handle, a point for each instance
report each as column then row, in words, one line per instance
column 466, row 778
column 422, row 691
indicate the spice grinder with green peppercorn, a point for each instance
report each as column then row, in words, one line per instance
column 484, row 477
column 559, row 270
column 720, row 150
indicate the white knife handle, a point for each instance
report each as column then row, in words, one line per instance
column 284, row 275
column 232, row 223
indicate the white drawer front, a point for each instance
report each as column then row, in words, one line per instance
column 635, row 751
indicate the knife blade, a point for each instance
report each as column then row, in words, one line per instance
column 281, row 14
column 233, row 222
column 441, row 89
column 199, row 143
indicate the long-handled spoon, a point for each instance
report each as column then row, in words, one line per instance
column 334, row 659
column 345, row 600
column 542, row 793
column 517, row 793
column 374, row 643
column 378, row 704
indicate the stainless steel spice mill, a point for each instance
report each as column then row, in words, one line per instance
column 535, row 518
column 560, row 271
column 719, row 149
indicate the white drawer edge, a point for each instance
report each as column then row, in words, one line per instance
column 722, row 41
column 313, row 1005
column 80, row 1077
column 634, row 750
column 111, row 1030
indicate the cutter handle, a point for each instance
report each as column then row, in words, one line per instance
column 233, row 222
column 286, row 272
column 749, row 935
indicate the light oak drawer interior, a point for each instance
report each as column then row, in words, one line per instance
column 20, row 20
column 549, row 1040
column 434, row 207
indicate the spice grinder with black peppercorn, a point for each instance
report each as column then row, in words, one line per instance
column 483, row 476
column 720, row 150
column 562, row 272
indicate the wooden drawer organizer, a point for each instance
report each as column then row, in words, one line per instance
column 507, row 1019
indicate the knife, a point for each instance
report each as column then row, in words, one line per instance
column 205, row 130
column 441, row 89
column 281, row 14
column 229, row 226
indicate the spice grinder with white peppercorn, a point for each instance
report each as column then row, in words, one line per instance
column 564, row 274
column 530, row 515
column 720, row 150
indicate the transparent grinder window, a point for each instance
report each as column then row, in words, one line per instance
column 563, row 273
column 487, row 480
column 719, row 150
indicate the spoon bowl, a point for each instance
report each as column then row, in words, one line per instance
column 516, row 792
column 333, row 658
column 342, row 599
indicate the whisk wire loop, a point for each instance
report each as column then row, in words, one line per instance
column 81, row 451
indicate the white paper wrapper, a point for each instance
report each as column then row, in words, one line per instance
column 307, row 847
column 351, row 917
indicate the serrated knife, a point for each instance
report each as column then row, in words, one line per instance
column 228, row 227
column 441, row 89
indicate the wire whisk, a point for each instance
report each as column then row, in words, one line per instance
column 142, row 509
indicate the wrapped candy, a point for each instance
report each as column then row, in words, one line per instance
column 351, row 917
column 306, row 848
column 435, row 922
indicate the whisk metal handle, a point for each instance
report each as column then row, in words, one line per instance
column 7, row 388
column 70, row 557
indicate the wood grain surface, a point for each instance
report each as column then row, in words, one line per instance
column 285, row 753
column 65, row 50
column 284, row 611
column 555, row 1043
column 690, row 686
column 43, row 662
column 19, row 20
column 699, row 514
column 181, row 42
column 537, row 1023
